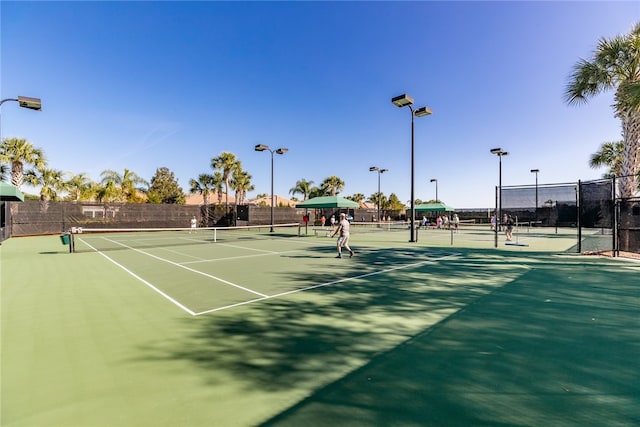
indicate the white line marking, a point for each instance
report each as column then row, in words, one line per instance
column 453, row 254
column 240, row 257
column 245, row 248
column 142, row 280
column 189, row 269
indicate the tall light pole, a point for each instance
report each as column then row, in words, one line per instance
column 436, row 181
column 499, row 152
column 31, row 104
column 536, row 171
column 400, row 101
column 262, row 147
column 380, row 171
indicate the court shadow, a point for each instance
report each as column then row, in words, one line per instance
column 478, row 338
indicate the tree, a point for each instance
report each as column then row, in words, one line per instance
column 4, row 170
column 165, row 189
column 357, row 197
column 332, row 185
column 19, row 152
column 107, row 192
column 394, row 203
column 379, row 199
column 302, row 187
column 615, row 65
column 79, row 187
column 203, row 186
column 241, row 183
column 227, row 163
column 52, row 183
column 317, row 192
column 609, row 155
column 217, row 185
column 125, row 183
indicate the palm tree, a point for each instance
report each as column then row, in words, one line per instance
column 79, row 187
column 317, row 192
column 227, row 163
column 358, row 198
column 241, row 183
column 217, row 185
column 615, row 65
column 394, row 203
column 108, row 192
column 203, row 186
column 610, row 155
column 125, row 182
column 19, row 152
column 302, row 187
column 332, row 185
column 4, row 170
column 52, row 183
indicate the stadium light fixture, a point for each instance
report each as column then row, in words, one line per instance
column 380, row 171
column 499, row 152
column 262, row 147
column 25, row 102
column 400, row 101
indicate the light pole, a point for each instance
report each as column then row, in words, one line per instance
column 499, row 152
column 400, row 101
column 536, row 171
column 262, row 147
column 436, row 181
column 380, row 171
column 25, row 102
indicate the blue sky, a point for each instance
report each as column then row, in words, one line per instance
column 143, row 85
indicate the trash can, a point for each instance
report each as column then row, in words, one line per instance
column 65, row 238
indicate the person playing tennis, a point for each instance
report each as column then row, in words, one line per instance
column 343, row 239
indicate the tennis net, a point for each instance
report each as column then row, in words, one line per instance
column 106, row 239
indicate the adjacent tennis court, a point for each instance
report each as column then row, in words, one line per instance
column 171, row 327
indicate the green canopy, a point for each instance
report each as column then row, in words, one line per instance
column 328, row 202
column 9, row 193
column 433, row 207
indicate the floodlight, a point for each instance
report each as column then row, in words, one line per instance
column 30, row 103
column 402, row 100
column 261, row 147
column 422, row 111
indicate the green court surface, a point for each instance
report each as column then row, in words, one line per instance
column 275, row 331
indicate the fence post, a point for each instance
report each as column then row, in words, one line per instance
column 578, row 203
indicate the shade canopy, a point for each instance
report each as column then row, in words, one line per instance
column 433, row 207
column 9, row 193
column 328, row 202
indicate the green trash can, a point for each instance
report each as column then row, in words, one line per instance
column 65, row 238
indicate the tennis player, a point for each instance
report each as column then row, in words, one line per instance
column 343, row 239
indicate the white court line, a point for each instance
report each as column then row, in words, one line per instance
column 239, row 257
column 142, row 280
column 187, row 268
column 246, row 249
column 387, row 270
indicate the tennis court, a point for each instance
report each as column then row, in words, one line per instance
column 185, row 328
